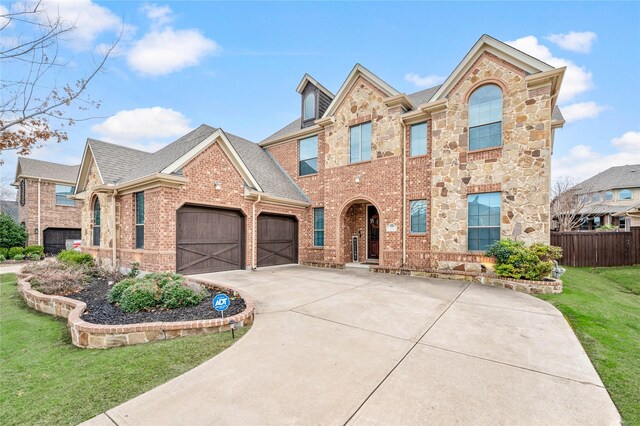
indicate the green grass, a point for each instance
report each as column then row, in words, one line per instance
column 603, row 307
column 44, row 379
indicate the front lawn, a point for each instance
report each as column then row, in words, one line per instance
column 44, row 379
column 603, row 307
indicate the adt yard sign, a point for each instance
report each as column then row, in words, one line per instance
column 221, row 302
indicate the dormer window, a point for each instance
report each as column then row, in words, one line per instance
column 309, row 106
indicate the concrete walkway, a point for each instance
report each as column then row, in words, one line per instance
column 354, row 347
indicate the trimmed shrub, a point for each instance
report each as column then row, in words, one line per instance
column 514, row 260
column 116, row 291
column 18, row 257
column 175, row 295
column 4, row 252
column 72, row 256
column 39, row 250
column 141, row 295
column 11, row 233
column 34, row 256
column 2, row 258
column 15, row 251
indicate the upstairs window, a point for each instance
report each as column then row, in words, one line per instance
column 62, row 192
column 485, row 117
column 360, row 143
column 625, row 194
column 484, row 220
column 309, row 106
column 418, row 139
column 608, row 196
column 318, row 227
column 139, row 220
column 595, row 198
column 96, row 223
column 308, row 156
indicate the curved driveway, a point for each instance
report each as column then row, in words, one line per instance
column 336, row 347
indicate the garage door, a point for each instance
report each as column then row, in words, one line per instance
column 54, row 238
column 277, row 240
column 209, row 240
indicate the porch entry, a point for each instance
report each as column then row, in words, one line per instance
column 360, row 233
column 373, row 233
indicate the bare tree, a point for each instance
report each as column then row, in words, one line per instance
column 569, row 203
column 36, row 102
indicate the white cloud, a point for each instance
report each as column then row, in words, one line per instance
column 576, row 80
column 574, row 41
column 630, row 141
column 581, row 110
column 426, row 81
column 90, row 20
column 143, row 128
column 157, row 14
column 583, row 162
column 163, row 52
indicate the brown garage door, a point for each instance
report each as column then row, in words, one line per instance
column 209, row 240
column 55, row 238
column 277, row 240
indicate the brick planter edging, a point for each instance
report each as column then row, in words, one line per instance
column 525, row 286
column 100, row 336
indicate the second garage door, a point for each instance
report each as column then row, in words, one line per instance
column 209, row 240
column 277, row 240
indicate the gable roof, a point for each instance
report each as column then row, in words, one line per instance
column 613, row 178
column 308, row 79
column 28, row 167
column 118, row 164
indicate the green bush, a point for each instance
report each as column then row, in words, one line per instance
column 18, row 257
column 4, row 252
column 141, row 295
column 176, row 295
column 34, row 250
column 116, row 291
column 34, row 256
column 2, row 258
column 72, row 256
column 14, row 251
column 11, row 233
column 514, row 260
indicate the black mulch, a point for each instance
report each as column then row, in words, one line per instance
column 100, row 311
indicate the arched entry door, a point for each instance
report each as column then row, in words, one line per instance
column 373, row 233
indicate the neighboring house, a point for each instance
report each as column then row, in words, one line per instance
column 368, row 175
column 10, row 208
column 611, row 197
column 45, row 208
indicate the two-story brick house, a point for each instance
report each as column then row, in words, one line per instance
column 45, row 208
column 368, row 175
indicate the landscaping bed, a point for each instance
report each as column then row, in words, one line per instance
column 100, row 311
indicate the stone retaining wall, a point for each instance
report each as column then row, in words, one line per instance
column 525, row 286
column 99, row 336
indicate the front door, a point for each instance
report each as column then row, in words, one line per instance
column 373, row 233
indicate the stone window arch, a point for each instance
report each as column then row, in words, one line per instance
column 485, row 117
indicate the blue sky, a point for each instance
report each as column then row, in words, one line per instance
column 237, row 65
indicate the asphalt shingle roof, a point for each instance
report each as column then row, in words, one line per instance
column 119, row 164
column 615, row 177
column 47, row 170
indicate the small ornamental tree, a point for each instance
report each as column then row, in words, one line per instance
column 11, row 233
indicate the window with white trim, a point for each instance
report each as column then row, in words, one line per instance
column 310, row 106
column 484, row 220
column 62, row 194
column 418, row 211
column 360, row 143
column 308, row 156
column 418, row 139
column 485, row 117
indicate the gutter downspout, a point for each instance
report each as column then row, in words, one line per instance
column 114, row 230
column 404, row 194
column 254, row 233
column 39, row 228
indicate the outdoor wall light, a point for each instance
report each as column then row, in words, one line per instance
column 217, row 185
column 357, row 178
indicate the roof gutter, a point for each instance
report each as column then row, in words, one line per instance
column 250, row 194
column 42, row 179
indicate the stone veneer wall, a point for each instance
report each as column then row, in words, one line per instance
column 98, row 336
column 520, row 168
column 51, row 214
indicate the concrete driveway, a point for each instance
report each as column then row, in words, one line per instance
column 336, row 347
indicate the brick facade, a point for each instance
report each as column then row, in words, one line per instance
column 51, row 214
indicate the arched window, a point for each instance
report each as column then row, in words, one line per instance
column 310, row 106
column 96, row 222
column 608, row 196
column 485, row 117
column 625, row 194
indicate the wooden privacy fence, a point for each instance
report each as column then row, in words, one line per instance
column 592, row 248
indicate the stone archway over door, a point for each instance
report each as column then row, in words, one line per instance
column 209, row 240
column 277, row 240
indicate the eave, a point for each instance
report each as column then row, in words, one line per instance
column 307, row 131
column 280, row 201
